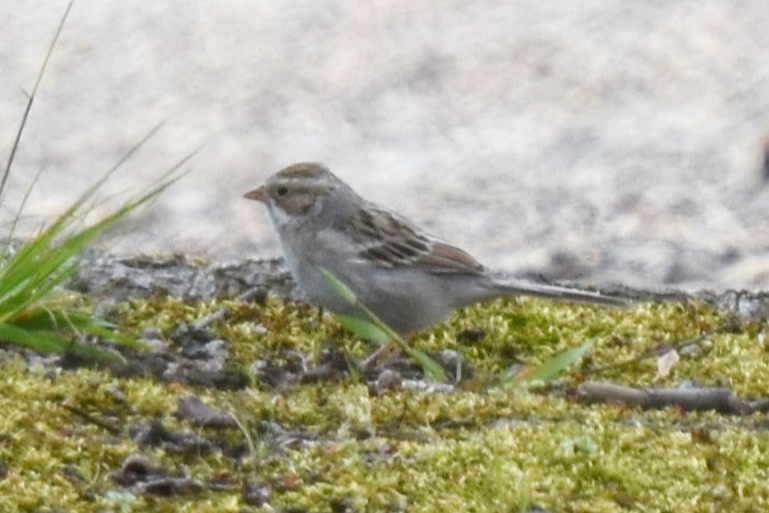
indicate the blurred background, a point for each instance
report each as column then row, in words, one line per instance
column 595, row 141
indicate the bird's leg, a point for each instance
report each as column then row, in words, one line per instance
column 381, row 353
column 374, row 358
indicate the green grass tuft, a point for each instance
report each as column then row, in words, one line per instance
column 35, row 312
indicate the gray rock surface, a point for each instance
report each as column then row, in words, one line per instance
column 593, row 141
column 109, row 278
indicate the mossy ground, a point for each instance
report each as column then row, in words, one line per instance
column 484, row 447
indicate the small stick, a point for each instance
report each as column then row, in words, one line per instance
column 719, row 399
column 220, row 312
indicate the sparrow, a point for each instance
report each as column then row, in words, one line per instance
column 409, row 278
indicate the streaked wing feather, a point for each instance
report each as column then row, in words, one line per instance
column 392, row 241
column 447, row 258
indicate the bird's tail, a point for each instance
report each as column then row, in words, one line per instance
column 514, row 287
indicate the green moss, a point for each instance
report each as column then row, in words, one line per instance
column 477, row 449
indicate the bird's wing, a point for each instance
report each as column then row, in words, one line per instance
column 391, row 241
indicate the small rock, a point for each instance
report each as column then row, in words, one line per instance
column 191, row 408
column 256, row 493
column 387, row 380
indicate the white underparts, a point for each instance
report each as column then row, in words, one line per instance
column 279, row 216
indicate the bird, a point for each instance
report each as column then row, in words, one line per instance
column 407, row 277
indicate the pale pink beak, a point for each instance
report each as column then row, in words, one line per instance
column 259, row 194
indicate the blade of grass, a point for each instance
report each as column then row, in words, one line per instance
column 53, row 315
column 33, row 340
column 362, row 328
column 52, row 342
column 17, row 217
column 552, row 367
column 31, row 99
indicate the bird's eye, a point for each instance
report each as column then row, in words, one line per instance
column 282, row 190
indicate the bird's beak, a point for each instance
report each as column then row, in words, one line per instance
column 257, row 194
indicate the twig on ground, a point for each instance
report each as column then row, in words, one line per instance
column 722, row 400
column 220, row 312
column 107, row 425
